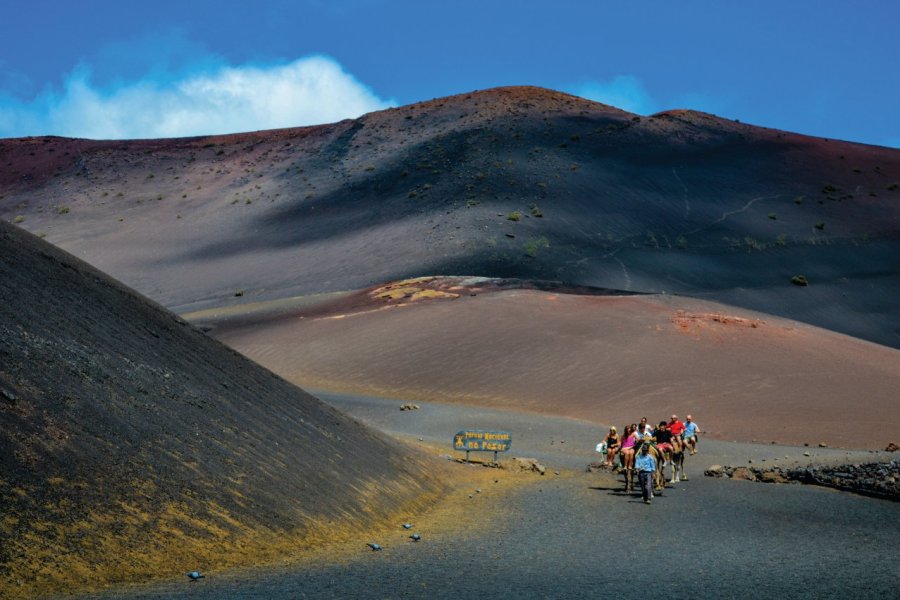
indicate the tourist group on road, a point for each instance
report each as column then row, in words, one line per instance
column 647, row 450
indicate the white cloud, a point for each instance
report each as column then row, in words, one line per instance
column 307, row 91
column 624, row 91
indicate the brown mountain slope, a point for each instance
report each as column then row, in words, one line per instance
column 134, row 446
column 604, row 358
column 681, row 202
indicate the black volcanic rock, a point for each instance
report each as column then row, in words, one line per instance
column 132, row 444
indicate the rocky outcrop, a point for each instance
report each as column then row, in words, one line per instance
column 743, row 473
column 523, row 464
column 880, row 479
column 715, row 471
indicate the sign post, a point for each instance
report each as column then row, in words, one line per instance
column 479, row 440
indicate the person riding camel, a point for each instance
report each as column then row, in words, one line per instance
column 676, row 426
column 664, row 437
column 612, row 446
column 690, row 434
column 644, row 428
column 629, row 439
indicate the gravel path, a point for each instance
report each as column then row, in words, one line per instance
column 576, row 535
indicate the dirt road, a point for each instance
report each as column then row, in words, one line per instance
column 577, row 535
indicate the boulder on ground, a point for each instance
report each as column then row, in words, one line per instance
column 772, row 477
column 409, row 407
column 892, row 447
column 715, row 471
column 743, row 473
column 523, row 464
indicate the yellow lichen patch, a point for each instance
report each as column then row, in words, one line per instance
column 395, row 293
column 433, row 294
column 416, row 280
column 222, row 514
column 128, row 542
column 400, row 289
column 136, row 540
column 8, row 522
column 414, row 289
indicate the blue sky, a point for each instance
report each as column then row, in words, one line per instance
column 117, row 69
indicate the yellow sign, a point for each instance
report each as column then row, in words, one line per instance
column 477, row 440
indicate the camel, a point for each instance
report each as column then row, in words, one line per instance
column 677, row 460
column 673, row 454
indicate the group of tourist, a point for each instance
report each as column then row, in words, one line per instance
column 667, row 437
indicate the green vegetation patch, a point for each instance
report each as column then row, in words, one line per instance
column 532, row 245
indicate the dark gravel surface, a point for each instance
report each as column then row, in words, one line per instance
column 576, row 535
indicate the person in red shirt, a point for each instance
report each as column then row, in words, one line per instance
column 676, row 426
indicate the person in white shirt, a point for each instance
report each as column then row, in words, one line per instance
column 644, row 428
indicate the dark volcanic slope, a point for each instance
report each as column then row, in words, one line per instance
column 132, row 445
column 680, row 202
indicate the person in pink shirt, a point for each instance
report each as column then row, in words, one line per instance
column 629, row 439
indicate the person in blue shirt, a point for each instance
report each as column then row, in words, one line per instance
column 690, row 434
column 646, row 467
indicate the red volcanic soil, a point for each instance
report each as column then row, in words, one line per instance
column 605, row 358
column 681, row 202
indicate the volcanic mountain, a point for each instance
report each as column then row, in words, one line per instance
column 510, row 182
column 132, row 445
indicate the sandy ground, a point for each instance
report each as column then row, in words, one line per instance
column 742, row 375
column 578, row 535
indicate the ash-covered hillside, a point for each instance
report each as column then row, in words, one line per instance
column 134, row 446
column 511, row 182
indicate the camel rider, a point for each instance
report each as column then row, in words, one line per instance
column 664, row 437
column 644, row 428
column 646, row 467
column 690, row 434
column 676, row 426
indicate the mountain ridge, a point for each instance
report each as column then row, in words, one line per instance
column 510, row 182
